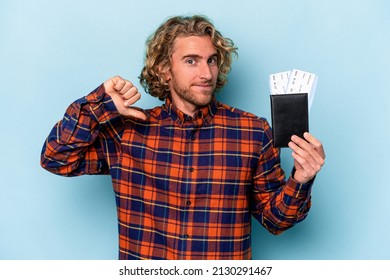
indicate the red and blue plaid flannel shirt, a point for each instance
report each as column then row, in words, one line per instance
column 185, row 187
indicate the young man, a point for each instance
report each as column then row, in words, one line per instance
column 189, row 174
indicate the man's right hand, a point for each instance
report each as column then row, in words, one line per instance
column 124, row 94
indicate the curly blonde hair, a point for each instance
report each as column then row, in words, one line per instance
column 159, row 50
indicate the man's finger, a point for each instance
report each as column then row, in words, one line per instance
column 126, row 87
column 130, row 93
column 312, row 153
column 130, row 101
column 316, row 143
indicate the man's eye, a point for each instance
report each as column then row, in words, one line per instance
column 212, row 60
column 190, row 61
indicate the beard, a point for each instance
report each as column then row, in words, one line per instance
column 198, row 98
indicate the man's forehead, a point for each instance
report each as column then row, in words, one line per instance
column 199, row 45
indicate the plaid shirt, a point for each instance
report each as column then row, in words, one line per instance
column 185, row 187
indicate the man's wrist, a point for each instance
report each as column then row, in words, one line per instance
column 102, row 105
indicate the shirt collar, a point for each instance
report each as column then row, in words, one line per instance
column 201, row 118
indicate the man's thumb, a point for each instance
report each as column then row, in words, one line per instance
column 136, row 113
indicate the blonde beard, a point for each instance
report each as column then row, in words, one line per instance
column 186, row 95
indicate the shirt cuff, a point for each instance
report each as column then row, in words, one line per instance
column 102, row 106
column 298, row 190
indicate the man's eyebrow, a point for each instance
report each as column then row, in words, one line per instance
column 192, row 55
column 198, row 56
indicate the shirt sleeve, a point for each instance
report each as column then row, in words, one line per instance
column 277, row 204
column 83, row 142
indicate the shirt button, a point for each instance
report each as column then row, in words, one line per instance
column 186, row 236
column 191, row 169
column 188, row 203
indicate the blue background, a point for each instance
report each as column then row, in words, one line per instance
column 53, row 52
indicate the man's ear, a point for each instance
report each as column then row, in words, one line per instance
column 165, row 72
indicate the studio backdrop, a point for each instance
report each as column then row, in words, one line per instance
column 54, row 52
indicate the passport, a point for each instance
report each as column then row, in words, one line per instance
column 292, row 93
column 290, row 116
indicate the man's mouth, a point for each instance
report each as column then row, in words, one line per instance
column 204, row 85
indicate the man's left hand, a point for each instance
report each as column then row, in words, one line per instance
column 309, row 157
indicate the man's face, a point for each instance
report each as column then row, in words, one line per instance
column 193, row 74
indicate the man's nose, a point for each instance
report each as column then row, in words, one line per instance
column 205, row 71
